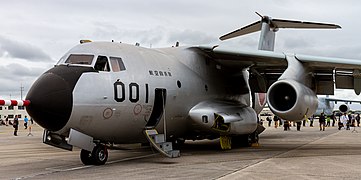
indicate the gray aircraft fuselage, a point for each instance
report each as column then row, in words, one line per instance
column 115, row 103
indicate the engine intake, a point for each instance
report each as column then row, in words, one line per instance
column 291, row 100
column 344, row 108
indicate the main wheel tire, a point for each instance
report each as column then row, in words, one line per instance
column 255, row 137
column 177, row 143
column 242, row 141
column 248, row 141
column 86, row 157
column 100, row 155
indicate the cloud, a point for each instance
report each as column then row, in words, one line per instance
column 15, row 49
column 12, row 76
column 191, row 37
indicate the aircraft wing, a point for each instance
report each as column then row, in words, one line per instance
column 270, row 65
column 341, row 100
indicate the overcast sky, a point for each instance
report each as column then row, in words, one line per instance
column 34, row 34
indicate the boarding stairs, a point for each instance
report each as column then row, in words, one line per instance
column 158, row 142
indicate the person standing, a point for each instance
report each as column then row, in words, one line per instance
column 333, row 117
column 286, row 125
column 348, row 123
column 26, row 122
column 343, row 121
column 328, row 121
column 358, row 120
column 299, row 125
column 311, row 120
column 6, row 121
column 29, row 127
column 275, row 119
column 269, row 120
column 322, row 121
column 16, row 125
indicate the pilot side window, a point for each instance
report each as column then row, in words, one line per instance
column 102, row 64
column 117, row 64
column 80, row 59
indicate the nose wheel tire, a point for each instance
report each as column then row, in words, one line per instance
column 86, row 157
column 98, row 156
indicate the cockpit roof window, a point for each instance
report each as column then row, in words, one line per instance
column 80, row 59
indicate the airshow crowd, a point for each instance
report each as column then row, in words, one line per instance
column 339, row 120
column 15, row 124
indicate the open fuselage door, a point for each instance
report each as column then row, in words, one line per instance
column 158, row 108
column 158, row 141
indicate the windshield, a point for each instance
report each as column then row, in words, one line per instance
column 80, row 59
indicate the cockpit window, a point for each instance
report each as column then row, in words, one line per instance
column 117, row 64
column 102, row 64
column 80, row 59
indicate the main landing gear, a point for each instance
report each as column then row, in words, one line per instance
column 98, row 156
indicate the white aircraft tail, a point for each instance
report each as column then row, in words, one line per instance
column 269, row 27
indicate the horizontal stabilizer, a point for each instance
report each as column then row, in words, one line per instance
column 254, row 27
column 275, row 24
column 280, row 23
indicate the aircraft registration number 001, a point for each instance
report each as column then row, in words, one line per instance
column 120, row 92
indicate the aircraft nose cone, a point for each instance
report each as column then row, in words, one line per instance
column 51, row 101
column 51, row 96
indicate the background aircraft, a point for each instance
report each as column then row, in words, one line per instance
column 328, row 105
column 105, row 93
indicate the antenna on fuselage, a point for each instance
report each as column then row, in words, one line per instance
column 269, row 27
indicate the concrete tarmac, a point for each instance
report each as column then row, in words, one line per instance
column 305, row 154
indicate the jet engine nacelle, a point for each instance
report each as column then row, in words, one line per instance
column 291, row 100
column 344, row 108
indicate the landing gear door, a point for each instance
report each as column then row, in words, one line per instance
column 158, row 108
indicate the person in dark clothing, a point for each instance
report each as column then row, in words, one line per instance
column 275, row 119
column 322, row 121
column 16, row 125
column 311, row 120
column 333, row 118
column 286, row 125
column 299, row 125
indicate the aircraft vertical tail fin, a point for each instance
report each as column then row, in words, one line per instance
column 269, row 27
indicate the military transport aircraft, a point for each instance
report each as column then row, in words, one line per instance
column 327, row 104
column 104, row 93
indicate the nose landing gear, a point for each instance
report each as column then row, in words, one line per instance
column 98, row 156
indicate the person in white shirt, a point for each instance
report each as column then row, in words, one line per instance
column 344, row 119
